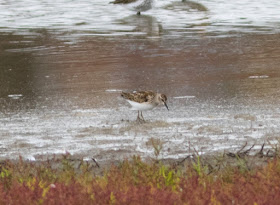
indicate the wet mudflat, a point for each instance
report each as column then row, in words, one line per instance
column 61, row 81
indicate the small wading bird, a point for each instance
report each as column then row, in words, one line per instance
column 144, row 100
column 135, row 5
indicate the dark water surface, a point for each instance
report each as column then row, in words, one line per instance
column 62, row 69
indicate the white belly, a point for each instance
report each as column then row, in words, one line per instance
column 141, row 106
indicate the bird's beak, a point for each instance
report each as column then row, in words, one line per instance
column 166, row 105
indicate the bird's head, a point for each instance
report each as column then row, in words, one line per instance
column 163, row 99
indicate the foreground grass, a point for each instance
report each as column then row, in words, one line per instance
column 137, row 182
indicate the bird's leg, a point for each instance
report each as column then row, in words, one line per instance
column 142, row 117
column 138, row 117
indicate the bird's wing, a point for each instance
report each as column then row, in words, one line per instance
column 140, row 97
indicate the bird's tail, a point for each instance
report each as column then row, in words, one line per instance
column 124, row 95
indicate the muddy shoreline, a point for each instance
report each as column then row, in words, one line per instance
column 246, row 158
column 222, row 92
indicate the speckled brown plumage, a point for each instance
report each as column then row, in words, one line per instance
column 140, row 97
column 144, row 100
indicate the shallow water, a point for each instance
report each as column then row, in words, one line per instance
column 64, row 63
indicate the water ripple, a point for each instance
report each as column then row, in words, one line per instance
column 101, row 18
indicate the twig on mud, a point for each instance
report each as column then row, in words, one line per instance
column 247, row 151
column 274, row 148
column 267, row 152
column 183, row 160
column 271, row 154
column 242, row 147
column 80, row 164
column 260, row 153
column 95, row 162
column 239, row 153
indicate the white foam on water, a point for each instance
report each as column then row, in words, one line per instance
column 258, row 76
column 15, row 96
column 113, row 90
column 184, row 97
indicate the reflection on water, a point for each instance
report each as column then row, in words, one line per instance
column 143, row 25
column 184, row 5
column 100, row 17
column 61, row 71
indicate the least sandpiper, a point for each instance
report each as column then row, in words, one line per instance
column 144, row 100
column 136, row 5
